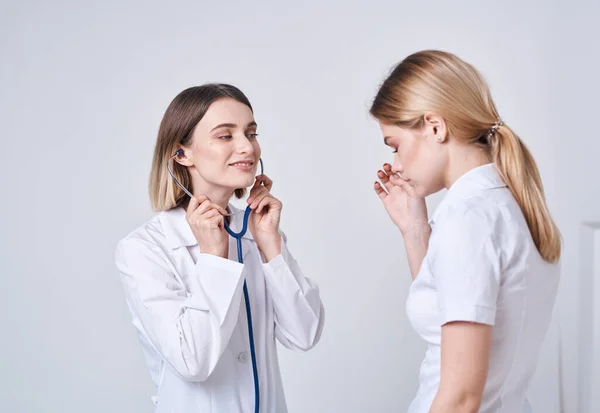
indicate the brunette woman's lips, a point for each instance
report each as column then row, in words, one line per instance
column 245, row 165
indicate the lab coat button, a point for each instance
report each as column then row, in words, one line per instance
column 243, row 357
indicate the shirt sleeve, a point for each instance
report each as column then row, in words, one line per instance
column 465, row 264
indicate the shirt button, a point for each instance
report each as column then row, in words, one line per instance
column 243, row 357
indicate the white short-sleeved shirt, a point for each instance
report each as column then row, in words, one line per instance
column 482, row 266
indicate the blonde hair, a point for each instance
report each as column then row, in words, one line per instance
column 440, row 82
column 177, row 128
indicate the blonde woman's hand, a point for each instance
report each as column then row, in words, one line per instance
column 406, row 209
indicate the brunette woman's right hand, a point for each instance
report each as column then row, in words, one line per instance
column 206, row 219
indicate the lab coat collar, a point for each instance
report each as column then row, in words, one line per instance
column 474, row 181
column 179, row 234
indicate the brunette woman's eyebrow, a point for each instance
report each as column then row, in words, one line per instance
column 224, row 125
column 232, row 125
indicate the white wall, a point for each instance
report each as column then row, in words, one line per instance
column 83, row 88
column 575, row 88
column 588, row 376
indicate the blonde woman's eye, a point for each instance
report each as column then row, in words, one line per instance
column 252, row 135
column 225, row 137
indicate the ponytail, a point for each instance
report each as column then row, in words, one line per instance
column 441, row 82
column 518, row 169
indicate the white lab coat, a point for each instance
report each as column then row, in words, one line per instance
column 189, row 312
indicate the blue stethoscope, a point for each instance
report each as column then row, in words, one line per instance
column 238, row 237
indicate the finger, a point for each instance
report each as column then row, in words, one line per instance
column 258, row 197
column 383, row 176
column 194, row 217
column 408, row 187
column 404, row 185
column 266, row 181
column 385, row 180
column 256, row 188
column 215, row 222
column 262, row 181
column 219, row 208
column 399, row 176
column 380, row 191
column 398, row 180
column 268, row 201
column 207, row 205
column 204, row 206
column 194, row 202
column 388, row 170
column 211, row 213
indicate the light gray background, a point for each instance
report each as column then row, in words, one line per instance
column 83, row 88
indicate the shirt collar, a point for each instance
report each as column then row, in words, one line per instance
column 179, row 234
column 471, row 183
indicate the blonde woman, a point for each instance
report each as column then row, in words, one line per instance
column 183, row 283
column 484, row 266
